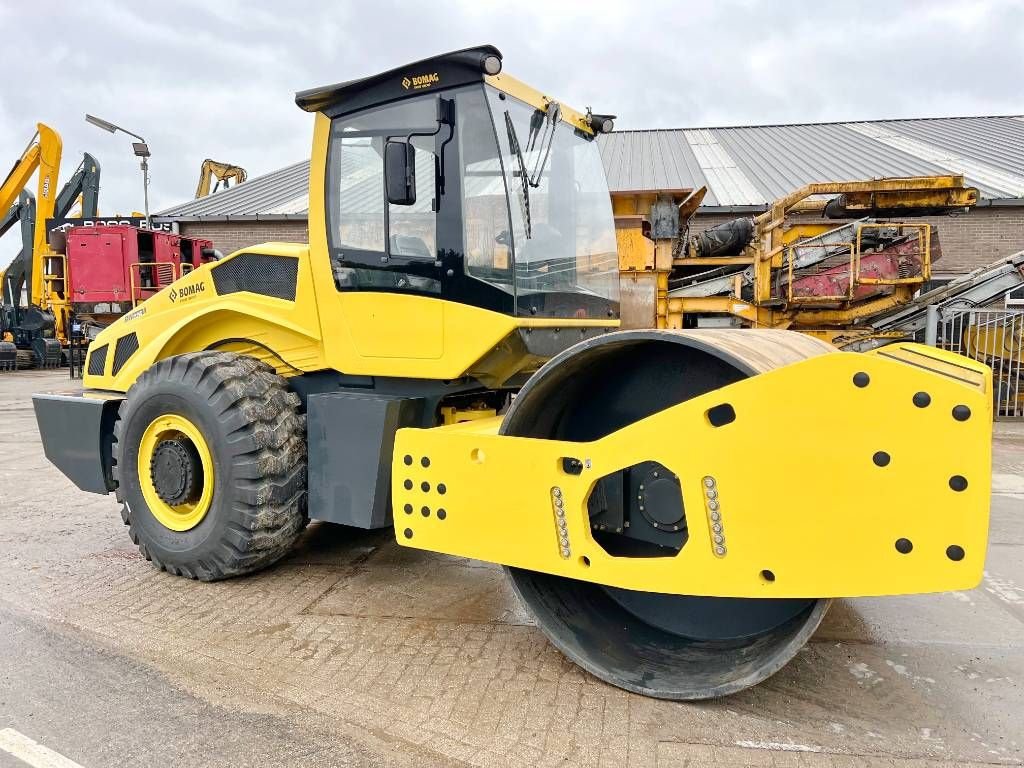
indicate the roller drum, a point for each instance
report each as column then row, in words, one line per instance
column 667, row 646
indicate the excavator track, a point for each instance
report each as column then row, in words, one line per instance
column 26, row 359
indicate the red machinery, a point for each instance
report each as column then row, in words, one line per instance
column 111, row 269
column 904, row 258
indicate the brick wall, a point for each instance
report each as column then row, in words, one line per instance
column 228, row 236
column 968, row 240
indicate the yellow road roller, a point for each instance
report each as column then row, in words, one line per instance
column 675, row 508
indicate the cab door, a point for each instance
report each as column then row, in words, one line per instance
column 385, row 257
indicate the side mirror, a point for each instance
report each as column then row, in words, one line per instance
column 400, row 172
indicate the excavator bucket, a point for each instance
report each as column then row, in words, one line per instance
column 678, row 508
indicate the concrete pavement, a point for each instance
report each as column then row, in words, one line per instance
column 361, row 652
column 94, row 705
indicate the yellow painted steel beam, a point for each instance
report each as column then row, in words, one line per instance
column 50, row 148
column 19, row 176
column 954, row 196
column 824, row 519
column 844, row 317
column 908, row 189
column 759, row 317
column 795, row 232
column 636, row 250
column 527, row 93
column 712, row 261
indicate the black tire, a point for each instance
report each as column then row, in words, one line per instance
column 257, row 438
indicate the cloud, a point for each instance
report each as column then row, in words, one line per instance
column 201, row 79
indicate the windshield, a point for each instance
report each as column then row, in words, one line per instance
column 551, row 241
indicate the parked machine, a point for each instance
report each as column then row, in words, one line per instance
column 80, row 276
column 216, row 174
column 81, row 189
column 32, row 328
column 825, row 259
column 23, row 214
column 462, row 251
column 112, row 268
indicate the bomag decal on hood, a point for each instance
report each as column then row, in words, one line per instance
column 185, row 292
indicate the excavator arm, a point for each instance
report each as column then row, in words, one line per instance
column 85, row 184
column 224, row 173
column 18, row 177
column 13, row 279
column 43, row 154
column 13, row 214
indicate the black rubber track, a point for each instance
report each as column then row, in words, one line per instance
column 251, row 422
column 26, row 360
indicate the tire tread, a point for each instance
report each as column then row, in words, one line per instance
column 267, row 445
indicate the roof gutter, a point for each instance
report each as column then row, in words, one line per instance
column 232, row 217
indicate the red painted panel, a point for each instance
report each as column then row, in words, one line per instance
column 100, row 260
column 97, row 267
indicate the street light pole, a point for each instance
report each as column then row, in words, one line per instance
column 141, row 150
column 145, row 193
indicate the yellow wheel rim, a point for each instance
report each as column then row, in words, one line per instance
column 187, row 515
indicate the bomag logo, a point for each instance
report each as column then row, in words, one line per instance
column 420, row 81
column 186, row 292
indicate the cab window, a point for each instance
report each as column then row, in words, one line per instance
column 413, row 228
column 485, row 203
column 363, row 227
column 360, row 194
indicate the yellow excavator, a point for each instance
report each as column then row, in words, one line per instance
column 444, row 359
column 43, row 318
column 216, row 174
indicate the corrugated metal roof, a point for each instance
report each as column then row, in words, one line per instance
column 743, row 166
column 261, row 195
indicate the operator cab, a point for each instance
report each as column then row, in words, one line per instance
column 446, row 178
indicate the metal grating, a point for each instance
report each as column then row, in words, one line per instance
column 127, row 346
column 97, row 360
column 258, row 273
column 994, row 337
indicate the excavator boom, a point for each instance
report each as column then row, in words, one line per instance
column 224, row 173
column 18, row 177
column 43, row 154
column 84, row 184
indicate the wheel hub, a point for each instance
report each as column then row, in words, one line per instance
column 176, row 472
column 660, row 498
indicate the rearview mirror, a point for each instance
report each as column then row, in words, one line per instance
column 400, row 172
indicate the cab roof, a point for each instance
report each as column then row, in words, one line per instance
column 445, row 71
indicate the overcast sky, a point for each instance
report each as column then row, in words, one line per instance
column 216, row 78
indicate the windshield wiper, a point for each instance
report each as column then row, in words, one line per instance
column 543, row 134
column 513, row 143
